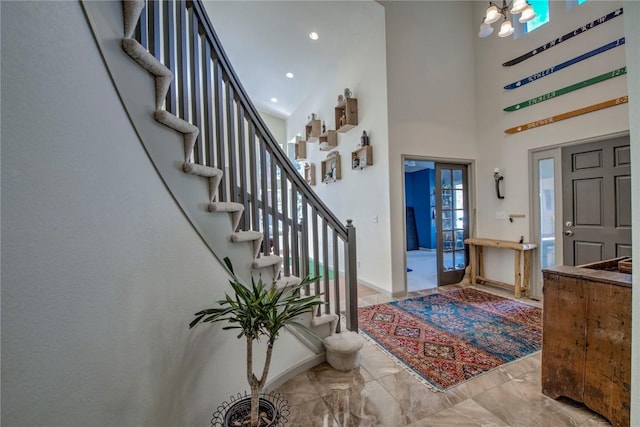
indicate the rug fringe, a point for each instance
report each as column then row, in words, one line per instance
column 400, row 363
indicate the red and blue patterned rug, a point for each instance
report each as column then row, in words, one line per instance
column 450, row 337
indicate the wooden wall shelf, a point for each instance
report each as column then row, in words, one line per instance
column 362, row 157
column 310, row 173
column 328, row 140
column 301, row 149
column 346, row 114
column 331, row 170
column 312, row 130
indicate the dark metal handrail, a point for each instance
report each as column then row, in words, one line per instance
column 252, row 112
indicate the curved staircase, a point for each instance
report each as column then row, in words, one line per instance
column 273, row 224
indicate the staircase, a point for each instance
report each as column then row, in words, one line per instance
column 219, row 160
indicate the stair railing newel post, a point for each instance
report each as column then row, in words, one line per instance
column 351, row 278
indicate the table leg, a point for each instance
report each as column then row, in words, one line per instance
column 472, row 253
column 481, row 261
column 527, row 272
column 518, row 277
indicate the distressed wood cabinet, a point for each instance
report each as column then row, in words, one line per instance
column 586, row 343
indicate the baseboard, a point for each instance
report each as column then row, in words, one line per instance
column 296, row 369
column 384, row 292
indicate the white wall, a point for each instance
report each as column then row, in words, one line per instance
column 431, row 97
column 632, row 34
column 101, row 272
column 277, row 127
column 510, row 152
column 360, row 195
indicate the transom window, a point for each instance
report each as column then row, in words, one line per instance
column 541, row 8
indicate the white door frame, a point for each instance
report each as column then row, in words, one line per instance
column 536, row 154
column 534, row 157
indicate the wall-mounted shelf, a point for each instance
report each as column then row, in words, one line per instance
column 346, row 114
column 362, row 157
column 312, row 130
column 328, row 140
column 301, row 149
column 310, row 173
column 331, row 170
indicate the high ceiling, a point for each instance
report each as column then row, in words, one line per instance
column 264, row 40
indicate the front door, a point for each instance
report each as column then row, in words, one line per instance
column 452, row 221
column 596, row 193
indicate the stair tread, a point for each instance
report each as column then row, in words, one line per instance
column 175, row 122
column 142, row 56
column 201, row 170
column 225, row 207
column 323, row 319
column 288, row 281
column 246, row 236
column 344, row 342
column 267, row 261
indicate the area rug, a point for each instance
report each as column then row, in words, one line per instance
column 450, row 337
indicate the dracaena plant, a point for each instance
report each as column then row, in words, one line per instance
column 260, row 312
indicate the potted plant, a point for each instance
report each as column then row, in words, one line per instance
column 260, row 311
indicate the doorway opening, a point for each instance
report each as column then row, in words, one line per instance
column 436, row 205
column 420, row 234
column 581, row 203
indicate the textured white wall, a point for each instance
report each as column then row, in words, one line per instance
column 510, row 152
column 360, row 195
column 431, row 97
column 101, row 272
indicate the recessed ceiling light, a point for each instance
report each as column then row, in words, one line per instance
column 274, row 99
column 290, row 75
column 313, row 35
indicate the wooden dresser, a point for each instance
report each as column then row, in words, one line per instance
column 586, row 342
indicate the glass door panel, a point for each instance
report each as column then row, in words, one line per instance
column 452, row 226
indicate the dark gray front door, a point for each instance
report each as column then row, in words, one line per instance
column 452, row 224
column 596, row 189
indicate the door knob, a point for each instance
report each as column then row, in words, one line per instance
column 568, row 232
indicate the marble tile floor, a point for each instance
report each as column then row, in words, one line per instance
column 382, row 393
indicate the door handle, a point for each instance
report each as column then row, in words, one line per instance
column 568, row 232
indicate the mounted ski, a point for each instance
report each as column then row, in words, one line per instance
column 568, row 115
column 567, row 36
column 564, row 90
column 565, row 64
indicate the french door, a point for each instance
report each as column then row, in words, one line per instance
column 452, row 221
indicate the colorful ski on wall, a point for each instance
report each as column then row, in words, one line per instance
column 565, row 64
column 568, row 115
column 565, row 90
column 567, row 36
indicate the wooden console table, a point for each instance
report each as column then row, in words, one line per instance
column 521, row 280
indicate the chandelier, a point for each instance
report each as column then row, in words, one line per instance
column 494, row 12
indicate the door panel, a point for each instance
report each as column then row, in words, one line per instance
column 623, row 250
column 452, row 225
column 596, row 201
column 587, row 199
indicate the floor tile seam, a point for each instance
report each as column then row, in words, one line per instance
column 489, row 409
column 403, row 407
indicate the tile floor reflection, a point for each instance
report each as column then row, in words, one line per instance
column 381, row 393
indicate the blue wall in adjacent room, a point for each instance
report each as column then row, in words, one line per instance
column 418, row 188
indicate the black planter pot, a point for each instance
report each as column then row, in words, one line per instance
column 273, row 409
